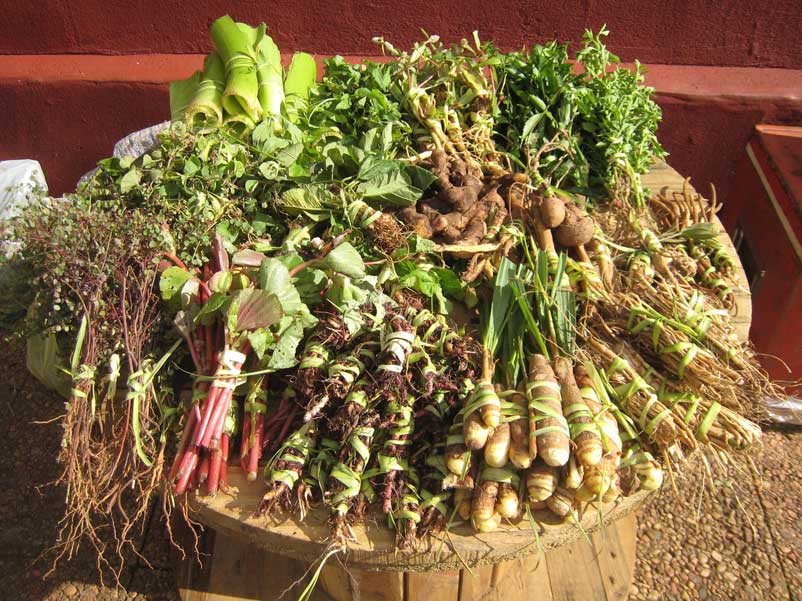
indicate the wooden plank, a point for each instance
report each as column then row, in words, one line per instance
column 237, row 571
column 475, row 586
column 574, row 573
column 379, row 586
column 538, row 579
column 431, row 586
column 526, row 578
column 336, row 582
column 344, row 585
column 615, row 549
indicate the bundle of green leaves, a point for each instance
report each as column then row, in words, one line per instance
column 589, row 127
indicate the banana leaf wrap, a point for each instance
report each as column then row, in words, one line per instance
column 205, row 111
column 270, row 75
column 301, row 76
column 181, row 94
column 236, row 45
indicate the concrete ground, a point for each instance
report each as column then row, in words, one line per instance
column 722, row 538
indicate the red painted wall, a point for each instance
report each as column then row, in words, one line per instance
column 696, row 32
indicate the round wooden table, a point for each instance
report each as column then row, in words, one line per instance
column 250, row 558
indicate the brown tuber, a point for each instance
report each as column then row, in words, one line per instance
column 577, row 229
column 458, row 459
column 475, row 432
column 519, row 444
column 489, row 525
column 561, row 502
column 541, row 481
column 419, row 223
column 461, row 198
column 484, row 501
column 547, row 424
column 507, row 504
column 584, row 431
column 552, row 211
column 498, row 446
column 463, row 502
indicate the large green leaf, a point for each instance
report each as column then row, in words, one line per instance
column 283, row 355
column 344, row 259
column 257, row 309
column 309, row 200
column 387, row 182
column 275, row 278
column 217, row 302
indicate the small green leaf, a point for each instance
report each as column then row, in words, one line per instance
column 172, row 280
column 260, row 340
column 191, row 166
column 130, row 180
column 270, row 170
column 283, row 356
column 217, row 302
column 290, row 154
column 421, row 178
column 450, row 282
column 306, row 199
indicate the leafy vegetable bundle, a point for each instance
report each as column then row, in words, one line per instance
column 433, row 285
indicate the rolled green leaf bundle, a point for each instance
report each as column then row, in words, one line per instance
column 205, row 111
column 240, row 123
column 301, row 76
column 181, row 94
column 270, row 75
column 235, row 45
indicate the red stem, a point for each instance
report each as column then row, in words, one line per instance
column 225, row 443
column 194, row 481
column 188, row 428
column 209, row 342
column 209, row 406
column 243, row 447
column 187, row 470
column 256, row 449
column 287, row 424
column 174, row 258
column 205, row 288
column 211, row 438
column 203, row 470
column 214, row 472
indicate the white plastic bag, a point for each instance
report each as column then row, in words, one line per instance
column 21, row 182
column 784, row 410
